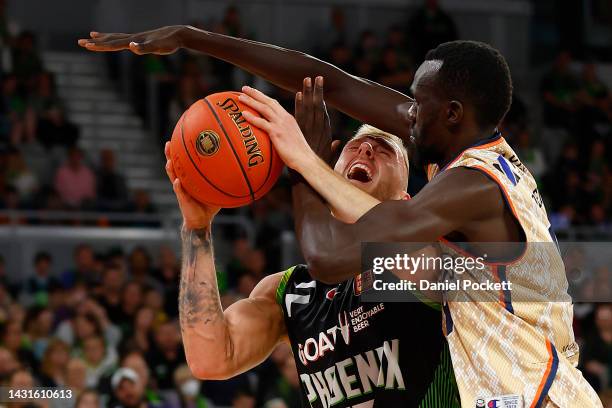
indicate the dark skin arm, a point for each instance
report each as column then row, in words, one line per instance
column 333, row 249
column 366, row 101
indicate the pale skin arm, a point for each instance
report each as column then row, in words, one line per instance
column 347, row 202
column 219, row 344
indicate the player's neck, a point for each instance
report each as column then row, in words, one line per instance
column 466, row 140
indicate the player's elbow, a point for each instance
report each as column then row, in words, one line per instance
column 209, row 369
column 319, row 269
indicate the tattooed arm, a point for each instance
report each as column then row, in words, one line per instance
column 219, row 344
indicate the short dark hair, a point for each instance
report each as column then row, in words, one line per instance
column 476, row 72
column 42, row 256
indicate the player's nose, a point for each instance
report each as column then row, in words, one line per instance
column 366, row 149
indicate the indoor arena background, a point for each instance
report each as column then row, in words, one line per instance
column 89, row 248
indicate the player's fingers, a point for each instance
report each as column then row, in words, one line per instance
column 262, row 107
column 308, row 108
column 114, row 45
column 96, row 36
column 261, row 97
column 170, row 170
column 317, row 101
column 257, row 121
column 167, row 150
column 299, row 108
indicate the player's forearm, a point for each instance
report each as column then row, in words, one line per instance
column 347, row 202
column 315, row 228
column 367, row 101
column 205, row 333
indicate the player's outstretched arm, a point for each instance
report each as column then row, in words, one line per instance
column 367, row 101
column 332, row 248
column 219, row 344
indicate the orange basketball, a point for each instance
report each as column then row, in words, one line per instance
column 219, row 157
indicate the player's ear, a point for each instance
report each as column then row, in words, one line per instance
column 455, row 112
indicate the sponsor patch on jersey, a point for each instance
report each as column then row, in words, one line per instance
column 502, row 401
column 363, row 282
column 331, row 293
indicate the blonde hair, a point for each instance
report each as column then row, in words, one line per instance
column 369, row 130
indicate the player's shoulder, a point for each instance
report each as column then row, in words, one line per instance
column 274, row 286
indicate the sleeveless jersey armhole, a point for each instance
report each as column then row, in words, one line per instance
column 282, row 285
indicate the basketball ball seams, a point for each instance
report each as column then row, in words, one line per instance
column 195, row 166
column 246, row 179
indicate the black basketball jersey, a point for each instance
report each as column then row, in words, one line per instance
column 351, row 353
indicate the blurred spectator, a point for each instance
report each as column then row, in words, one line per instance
column 54, row 130
column 141, row 204
column 109, row 292
column 393, row 72
column 166, row 354
column 13, row 339
column 75, row 182
column 531, row 155
column 560, row 90
column 84, row 270
column 88, row 399
column 135, row 361
column 112, row 192
column 368, row 47
column 430, row 26
column 8, row 364
column 20, row 177
column 169, row 274
column 188, row 387
column 131, row 301
column 38, row 324
column 99, row 357
column 76, row 375
column 53, row 365
column 596, row 351
column 126, row 389
column 36, row 288
column 27, row 63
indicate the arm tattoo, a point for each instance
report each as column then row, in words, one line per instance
column 198, row 298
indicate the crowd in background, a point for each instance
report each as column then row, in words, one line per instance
column 107, row 327
column 41, row 164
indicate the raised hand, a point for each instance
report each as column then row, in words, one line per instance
column 161, row 41
column 196, row 215
column 313, row 119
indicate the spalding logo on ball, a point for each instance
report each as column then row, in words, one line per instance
column 219, row 157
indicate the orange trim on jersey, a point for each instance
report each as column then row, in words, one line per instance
column 495, row 273
column 484, row 146
column 548, row 377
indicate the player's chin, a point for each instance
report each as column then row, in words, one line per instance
column 367, row 186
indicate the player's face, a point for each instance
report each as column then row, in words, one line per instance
column 428, row 114
column 375, row 166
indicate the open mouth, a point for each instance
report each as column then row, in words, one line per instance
column 360, row 172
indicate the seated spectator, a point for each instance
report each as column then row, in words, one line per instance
column 84, row 268
column 53, row 365
column 75, row 182
column 597, row 348
column 76, row 375
column 8, row 364
column 560, row 89
column 112, row 192
column 166, row 354
column 594, row 94
column 141, row 269
column 44, row 96
column 393, row 73
column 141, row 204
column 430, row 26
column 99, row 357
column 188, row 387
column 109, row 292
column 27, row 62
column 368, row 48
column 36, row 288
column 135, row 361
column 127, row 389
column 38, row 326
column 54, row 130
column 13, row 339
column 19, row 176
column 88, row 399
column 90, row 320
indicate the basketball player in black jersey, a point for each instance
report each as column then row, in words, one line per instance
column 348, row 353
